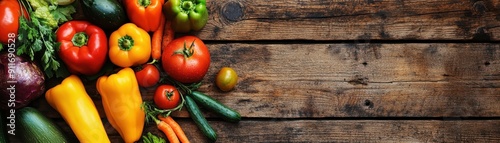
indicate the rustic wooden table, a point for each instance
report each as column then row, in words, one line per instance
column 350, row 71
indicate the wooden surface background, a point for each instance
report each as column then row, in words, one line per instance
column 350, row 71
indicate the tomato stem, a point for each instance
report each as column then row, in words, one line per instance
column 187, row 52
column 169, row 95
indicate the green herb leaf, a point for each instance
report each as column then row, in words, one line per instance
column 63, row 13
column 37, row 37
column 151, row 138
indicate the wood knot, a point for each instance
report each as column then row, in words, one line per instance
column 232, row 11
column 479, row 7
column 368, row 103
column 482, row 34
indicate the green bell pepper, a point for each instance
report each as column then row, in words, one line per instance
column 186, row 15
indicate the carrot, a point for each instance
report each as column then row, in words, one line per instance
column 176, row 127
column 156, row 41
column 169, row 132
column 168, row 34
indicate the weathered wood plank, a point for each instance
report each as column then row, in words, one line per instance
column 355, row 80
column 282, row 130
column 351, row 131
column 362, row 20
column 361, row 80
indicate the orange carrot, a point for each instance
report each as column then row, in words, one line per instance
column 168, row 34
column 176, row 127
column 169, row 132
column 156, row 41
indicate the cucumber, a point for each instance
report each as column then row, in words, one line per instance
column 199, row 119
column 106, row 14
column 34, row 127
column 215, row 106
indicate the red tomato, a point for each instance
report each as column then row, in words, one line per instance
column 186, row 59
column 166, row 97
column 148, row 75
column 10, row 11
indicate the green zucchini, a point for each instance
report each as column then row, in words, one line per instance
column 215, row 106
column 199, row 119
column 34, row 127
column 106, row 14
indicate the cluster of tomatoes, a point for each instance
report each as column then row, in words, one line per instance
column 186, row 60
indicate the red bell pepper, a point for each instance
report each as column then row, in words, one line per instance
column 84, row 47
column 146, row 14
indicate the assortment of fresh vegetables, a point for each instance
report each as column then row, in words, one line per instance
column 83, row 47
column 76, row 107
column 144, row 53
column 122, row 101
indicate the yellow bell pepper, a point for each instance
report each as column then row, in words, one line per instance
column 129, row 46
column 78, row 110
column 122, row 101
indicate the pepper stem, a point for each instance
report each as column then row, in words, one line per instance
column 80, row 39
column 144, row 3
column 187, row 5
column 125, row 43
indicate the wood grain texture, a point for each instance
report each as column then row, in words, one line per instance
column 283, row 130
column 347, row 71
column 362, row 20
column 354, row 80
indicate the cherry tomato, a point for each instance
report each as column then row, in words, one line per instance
column 147, row 76
column 226, row 79
column 166, row 97
column 10, row 11
column 186, row 59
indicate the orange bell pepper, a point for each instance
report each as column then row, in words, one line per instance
column 129, row 46
column 146, row 14
column 122, row 102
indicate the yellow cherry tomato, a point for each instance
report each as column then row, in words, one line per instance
column 226, row 79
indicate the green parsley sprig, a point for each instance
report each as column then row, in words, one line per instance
column 37, row 37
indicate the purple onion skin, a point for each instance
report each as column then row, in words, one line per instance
column 27, row 77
